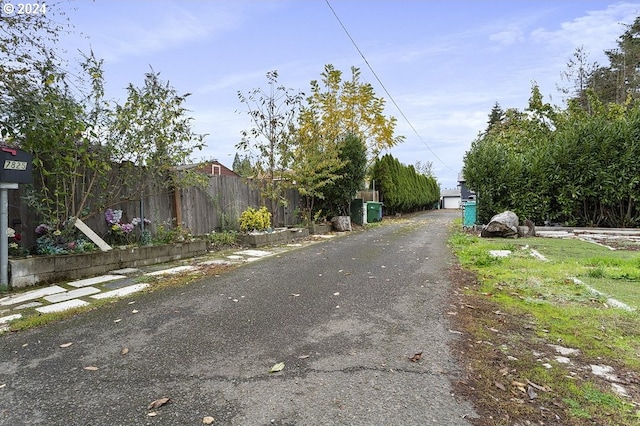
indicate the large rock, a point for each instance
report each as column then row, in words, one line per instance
column 503, row 225
column 341, row 223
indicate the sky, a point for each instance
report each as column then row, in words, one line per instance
column 440, row 65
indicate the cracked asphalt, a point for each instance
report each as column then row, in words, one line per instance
column 344, row 316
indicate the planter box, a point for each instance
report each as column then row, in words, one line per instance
column 276, row 237
column 320, row 228
column 46, row 269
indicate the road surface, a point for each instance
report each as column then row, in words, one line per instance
column 344, row 316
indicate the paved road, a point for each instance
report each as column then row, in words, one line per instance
column 343, row 316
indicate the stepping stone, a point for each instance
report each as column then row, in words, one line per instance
column 121, row 292
column 125, row 271
column 95, row 280
column 215, row 262
column 4, row 320
column 73, row 294
column 32, row 295
column 28, row 305
column 175, row 270
column 112, row 285
column 499, row 253
column 254, row 253
column 63, row 306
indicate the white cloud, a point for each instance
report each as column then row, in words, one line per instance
column 511, row 35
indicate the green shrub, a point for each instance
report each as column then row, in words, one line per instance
column 218, row 240
column 255, row 220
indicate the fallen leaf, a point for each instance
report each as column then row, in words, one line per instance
column 499, row 386
column 208, row 420
column 117, row 320
column 135, row 311
column 124, row 351
column 295, row 294
column 337, row 293
column 538, row 387
column 158, row 403
column 416, row 357
column 277, row 367
column 3, row 385
column 304, row 356
column 152, row 414
column 91, row 368
column 66, row 345
column 531, row 393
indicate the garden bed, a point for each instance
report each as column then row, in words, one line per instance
column 320, row 228
column 30, row 271
column 277, row 236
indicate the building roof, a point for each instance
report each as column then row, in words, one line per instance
column 450, row 193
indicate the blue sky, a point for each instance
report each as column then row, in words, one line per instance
column 444, row 63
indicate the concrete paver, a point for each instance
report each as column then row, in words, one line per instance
column 31, row 295
column 62, row 306
column 121, row 292
column 95, row 280
column 73, row 294
column 4, row 320
column 176, row 270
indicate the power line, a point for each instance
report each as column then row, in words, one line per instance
column 383, row 86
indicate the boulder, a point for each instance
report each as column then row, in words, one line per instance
column 505, row 225
column 341, row 223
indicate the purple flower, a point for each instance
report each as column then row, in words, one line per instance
column 126, row 227
column 113, row 216
column 42, row 229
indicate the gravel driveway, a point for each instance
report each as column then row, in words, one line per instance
column 344, row 316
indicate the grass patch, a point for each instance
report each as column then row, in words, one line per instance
column 540, row 304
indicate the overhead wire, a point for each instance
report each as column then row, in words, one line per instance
column 384, row 87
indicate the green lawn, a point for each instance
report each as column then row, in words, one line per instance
column 542, row 297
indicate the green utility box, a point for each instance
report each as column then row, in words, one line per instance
column 469, row 214
column 357, row 211
column 374, row 211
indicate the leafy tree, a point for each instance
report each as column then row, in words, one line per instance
column 339, row 118
column 350, row 107
column 61, row 132
column 316, row 157
column 27, row 50
column 339, row 193
column 152, row 128
column 580, row 74
column 272, row 114
column 242, row 166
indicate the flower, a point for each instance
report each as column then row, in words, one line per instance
column 126, row 227
column 42, row 229
column 113, row 216
column 11, row 232
column 57, row 232
column 17, row 237
column 13, row 245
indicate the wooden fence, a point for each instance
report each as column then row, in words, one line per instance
column 201, row 210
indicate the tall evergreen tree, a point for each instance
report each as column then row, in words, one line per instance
column 338, row 194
